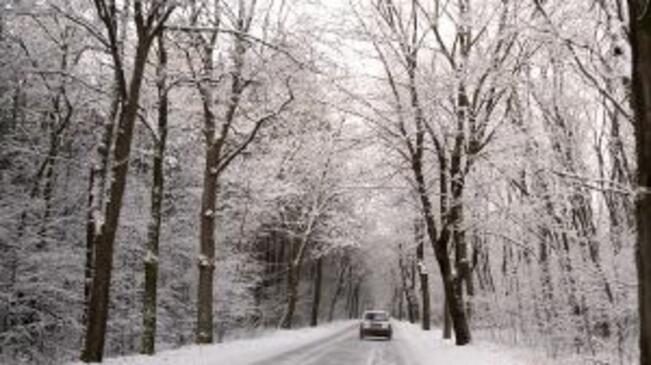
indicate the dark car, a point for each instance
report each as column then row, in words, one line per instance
column 375, row 323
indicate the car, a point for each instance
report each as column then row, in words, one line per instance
column 375, row 323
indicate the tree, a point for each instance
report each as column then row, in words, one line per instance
column 222, row 145
column 149, row 23
column 640, row 37
column 316, row 299
column 302, row 223
column 153, row 230
column 412, row 139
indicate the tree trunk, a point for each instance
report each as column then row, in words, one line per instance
column 206, row 262
column 213, row 145
column 452, row 286
column 340, row 287
column 447, row 320
column 48, row 191
column 316, row 301
column 412, row 271
column 407, row 275
column 96, row 186
column 349, row 295
column 640, row 37
column 153, row 232
column 423, row 274
column 354, row 312
column 104, row 241
column 292, row 296
column 440, row 246
column 90, row 248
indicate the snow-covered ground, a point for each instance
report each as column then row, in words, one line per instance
column 337, row 343
column 429, row 348
column 238, row 352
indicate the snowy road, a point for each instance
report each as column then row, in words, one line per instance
column 346, row 348
column 338, row 344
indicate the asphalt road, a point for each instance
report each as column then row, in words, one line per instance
column 345, row 348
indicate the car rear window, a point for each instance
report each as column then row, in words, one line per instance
column 376, row 316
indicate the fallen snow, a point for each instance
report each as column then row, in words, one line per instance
column 238, row 352
column 427, row 347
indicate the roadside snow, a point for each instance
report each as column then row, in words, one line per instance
column 427, row 347
column 239, row 352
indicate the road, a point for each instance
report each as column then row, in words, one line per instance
column 345, row 347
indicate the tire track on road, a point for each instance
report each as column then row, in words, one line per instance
column 309, row 351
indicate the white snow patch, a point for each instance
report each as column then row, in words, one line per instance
column 150, row 257
column 204, row 261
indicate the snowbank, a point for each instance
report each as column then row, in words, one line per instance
column 427, row 347
column 239, row 352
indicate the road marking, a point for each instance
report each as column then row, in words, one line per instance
column 371, row 359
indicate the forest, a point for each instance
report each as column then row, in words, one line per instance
column 178, row 172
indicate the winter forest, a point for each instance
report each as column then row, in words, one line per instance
column 177, row 172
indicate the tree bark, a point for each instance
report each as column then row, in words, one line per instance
column 447, row 320
column 408, row 284
column 206, row 261
column 98, row 177
column 316, row 301
column 292, row 295
column 401, row 304
column 343, row 268
column 354, row 305
column 153, row 233
column 640, row 38
column 440, row 246
column 424, row 279
column 459, row 163
column 89, row 266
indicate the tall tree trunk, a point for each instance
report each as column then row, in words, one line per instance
column 89, row 247
column 98, row 177
column 206, row 262
column 459, row 159
column 316, row 300
column 452, row 285
column 153, row 231
column 640, row 37
column 104, row 241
